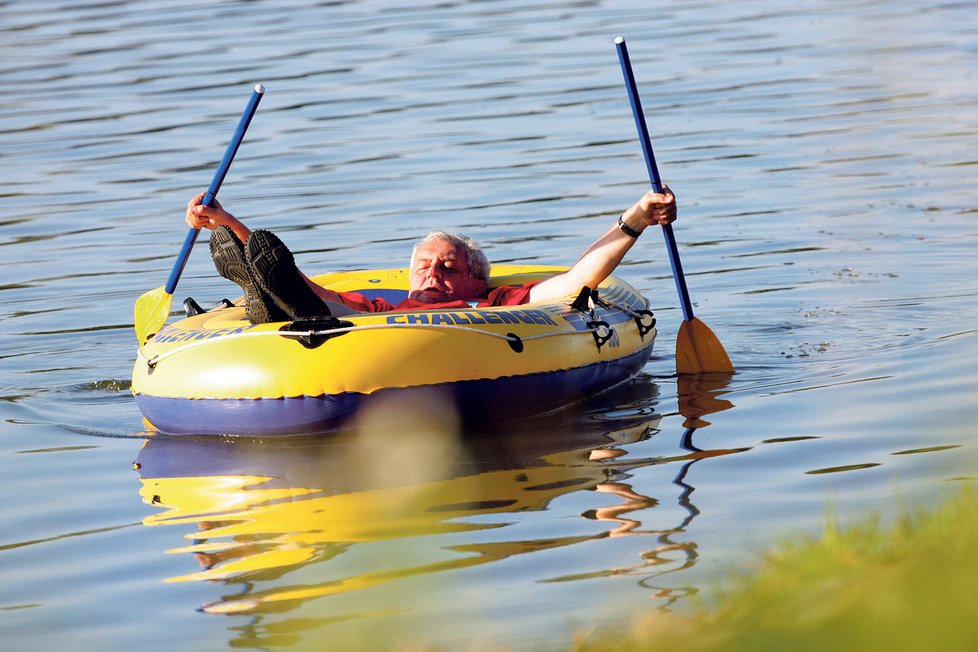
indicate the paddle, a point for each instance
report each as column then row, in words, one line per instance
column 697, row 349
column 153, row 307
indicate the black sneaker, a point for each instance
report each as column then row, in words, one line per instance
column 273, row 267
column 229, row 259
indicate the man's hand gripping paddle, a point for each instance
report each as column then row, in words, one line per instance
column 153, row 307
column 697, row 349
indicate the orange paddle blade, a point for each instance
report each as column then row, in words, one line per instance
column 699, row 351
column 151, row 311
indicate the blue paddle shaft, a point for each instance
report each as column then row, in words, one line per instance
column 653, row 169
column 216, row 182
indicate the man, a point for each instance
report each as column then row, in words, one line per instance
column 446, row 270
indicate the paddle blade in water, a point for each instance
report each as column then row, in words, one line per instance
column 699, row 351
column 151, row 311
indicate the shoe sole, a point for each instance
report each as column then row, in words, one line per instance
column 273, row 267
column 229, row 259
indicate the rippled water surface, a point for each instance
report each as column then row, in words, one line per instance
column 824, row 157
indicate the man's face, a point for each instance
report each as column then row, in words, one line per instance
column 440, row 272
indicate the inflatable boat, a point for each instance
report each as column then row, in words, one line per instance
column 215, row 373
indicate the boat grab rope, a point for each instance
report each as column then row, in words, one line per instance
column 600, row 330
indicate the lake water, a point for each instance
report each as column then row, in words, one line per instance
column 824, row 157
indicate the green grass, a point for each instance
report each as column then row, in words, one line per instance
column 912, row 586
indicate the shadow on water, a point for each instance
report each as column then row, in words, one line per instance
column 405, row 494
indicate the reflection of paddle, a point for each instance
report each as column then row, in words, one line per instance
column 153, row 307
column 699, row 395
column 697, row 348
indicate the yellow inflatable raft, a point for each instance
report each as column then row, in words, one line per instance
column 215, row 373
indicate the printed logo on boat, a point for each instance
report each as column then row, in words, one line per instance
column 173, row 334
column 470, row 317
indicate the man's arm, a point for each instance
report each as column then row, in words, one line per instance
column 602, row 258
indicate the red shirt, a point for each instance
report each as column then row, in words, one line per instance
column 505, row 295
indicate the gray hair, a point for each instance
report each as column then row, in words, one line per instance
column 476, row 258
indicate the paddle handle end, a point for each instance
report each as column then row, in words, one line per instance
column 260, row 89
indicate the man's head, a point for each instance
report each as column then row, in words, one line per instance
column 446, row 267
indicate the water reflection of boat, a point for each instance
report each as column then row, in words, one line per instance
column 353, row 514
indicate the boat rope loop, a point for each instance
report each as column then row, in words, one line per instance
column 310, row 337
column 602, row 332
column 322, row 329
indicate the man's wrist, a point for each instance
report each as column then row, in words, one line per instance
column 632, row 231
